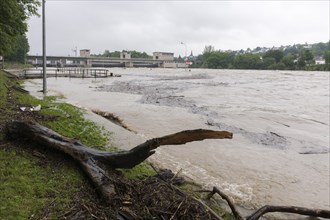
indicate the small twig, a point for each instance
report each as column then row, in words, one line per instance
column 6, row 86
column 215, row 215
column 176, row 174
column 178, row 208
column 235, row 212
column 160, row 176
column 68, row 212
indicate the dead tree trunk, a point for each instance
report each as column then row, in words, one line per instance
column 95, row 162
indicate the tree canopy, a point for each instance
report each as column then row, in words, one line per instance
column 13, row 18
column 297, row 57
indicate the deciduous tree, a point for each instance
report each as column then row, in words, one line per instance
column 13, row 17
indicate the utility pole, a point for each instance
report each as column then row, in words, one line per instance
column 185, row 59
column 44, row 74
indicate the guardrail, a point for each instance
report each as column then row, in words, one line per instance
column 66, row 72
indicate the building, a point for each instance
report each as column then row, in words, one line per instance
column 85, row 53
column 319, row 60
column 125, row 55
column 163, row 56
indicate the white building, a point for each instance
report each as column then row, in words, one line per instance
column 125, row 55
column 319, row 60
column 85, row 53
column 163, row 56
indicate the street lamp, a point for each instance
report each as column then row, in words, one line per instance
column 185, row 58
column 44, row 75
column 185, row 50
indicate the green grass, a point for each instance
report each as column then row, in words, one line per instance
column 69, row 121
column 15, row 65
column 140, row 171
column 26, row 187
column 3, row 89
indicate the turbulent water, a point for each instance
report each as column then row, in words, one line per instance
column 280, row 119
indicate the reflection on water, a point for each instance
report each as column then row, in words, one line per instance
column 280, row 151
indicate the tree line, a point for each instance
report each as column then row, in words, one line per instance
column 291, row 58
column 13, row 26
column 14, row 46
column 134, row 54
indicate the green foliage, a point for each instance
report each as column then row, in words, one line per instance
column 268, row 62
column 327, row 57
column 305, row 57
column 107, row 53
column 3, row 88
column 217, row 60
column 208, row 49
column 16, row 65
column 284, row 57
column 276, row 54
column 26, row 187
column 288, row 61
column 247, row 61
column 13, row 17
column 136, row 54
column 20, row 49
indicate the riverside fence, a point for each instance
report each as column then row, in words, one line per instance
column 66, row 72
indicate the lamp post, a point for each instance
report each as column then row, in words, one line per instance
column 185, row 49
column 185, row 55
column 44, row 74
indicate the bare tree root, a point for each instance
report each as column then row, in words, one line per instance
column 267, row 209
column 289, row 209
column 99, row 164
column 95, row 163
column 235, row 212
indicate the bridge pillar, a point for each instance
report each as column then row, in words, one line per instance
column 62, row 62
column 129, row 64
column 86, row 63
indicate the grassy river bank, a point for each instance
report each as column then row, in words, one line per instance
column 37, row 183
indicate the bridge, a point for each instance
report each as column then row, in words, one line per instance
column 93, row 61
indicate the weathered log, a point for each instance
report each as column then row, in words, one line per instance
column 94, row 162
column 289, row 209
column 268, row 208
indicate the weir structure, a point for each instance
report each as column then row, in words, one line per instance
column 160, row 59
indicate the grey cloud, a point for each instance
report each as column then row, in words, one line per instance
column 161, row 26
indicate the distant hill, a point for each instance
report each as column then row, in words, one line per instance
column 317, row 49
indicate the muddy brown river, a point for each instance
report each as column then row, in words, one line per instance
column 279, row 154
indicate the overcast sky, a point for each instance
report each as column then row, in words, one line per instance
column 161, row 25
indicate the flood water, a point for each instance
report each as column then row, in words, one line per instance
column 279, row 154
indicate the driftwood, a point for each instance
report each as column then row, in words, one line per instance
column 95, row 163
column 268, row 208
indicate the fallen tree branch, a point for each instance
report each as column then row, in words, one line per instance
column 235, row 212
column 289, row 209
column 267, row 209
column 95, row 163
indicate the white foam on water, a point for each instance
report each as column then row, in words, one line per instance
column 279, row 154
